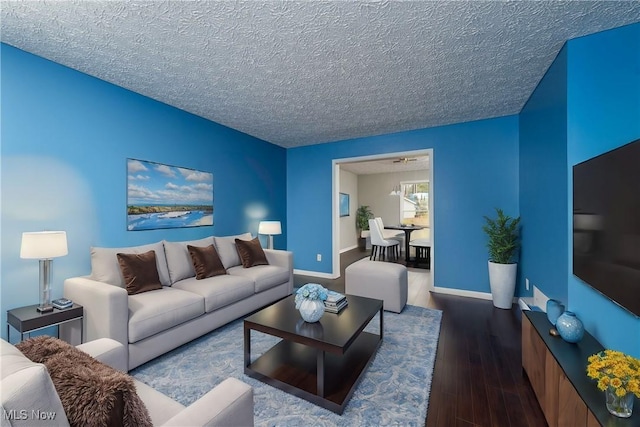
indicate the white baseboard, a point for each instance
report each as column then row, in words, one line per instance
column 540, row 299
column 315, row 274
column 349, row 248
column 471, row 294
column 525, row 303
column 462, row 293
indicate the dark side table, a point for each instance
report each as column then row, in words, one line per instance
column 27, row 319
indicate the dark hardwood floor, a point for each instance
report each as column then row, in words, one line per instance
column 478, row 378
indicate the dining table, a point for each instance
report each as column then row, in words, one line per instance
column 408, row 229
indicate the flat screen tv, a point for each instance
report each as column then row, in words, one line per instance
column 606, row 224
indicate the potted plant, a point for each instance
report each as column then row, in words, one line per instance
column 503, row 245
column 363, row 215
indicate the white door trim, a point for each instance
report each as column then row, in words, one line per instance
column 335, row 190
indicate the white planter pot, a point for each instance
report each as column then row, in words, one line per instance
column 502, row 278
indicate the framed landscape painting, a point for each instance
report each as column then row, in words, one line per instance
column 164, row 196
column 344, row 204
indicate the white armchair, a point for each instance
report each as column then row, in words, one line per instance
column 27, row 386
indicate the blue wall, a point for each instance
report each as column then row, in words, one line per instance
column 65, row 140
column 543, row 184
column 66, row 137
column 475, row 167
column 603, row 114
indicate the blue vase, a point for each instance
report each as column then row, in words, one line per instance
column 570, row 327
column 554, row 309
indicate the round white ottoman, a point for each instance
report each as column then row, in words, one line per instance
column 380, row 280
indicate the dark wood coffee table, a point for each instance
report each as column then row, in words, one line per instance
column 320, row 362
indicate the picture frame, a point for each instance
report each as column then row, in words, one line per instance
column 344, row 204
column 165, row 196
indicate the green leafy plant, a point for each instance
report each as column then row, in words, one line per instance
column 503, row 233
column 363, row 215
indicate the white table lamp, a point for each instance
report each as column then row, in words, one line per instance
column 44, row 245
column 270, row 228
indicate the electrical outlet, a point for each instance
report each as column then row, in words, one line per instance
column 319, row 257
column 526, row 284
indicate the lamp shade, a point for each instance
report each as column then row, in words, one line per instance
column 43, row 244
column 270, row 227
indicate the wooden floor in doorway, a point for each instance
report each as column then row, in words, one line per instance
column 478, row 378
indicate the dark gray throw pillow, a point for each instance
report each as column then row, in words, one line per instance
column 251, row 252
column 206, row 261
column 140, row 272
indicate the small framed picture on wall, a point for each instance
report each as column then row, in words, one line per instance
column 344, row 204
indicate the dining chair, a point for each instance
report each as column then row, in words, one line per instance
column 423, row 251
column 391, row 234
column 379, row 244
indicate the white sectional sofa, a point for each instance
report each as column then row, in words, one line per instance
column 151, row 323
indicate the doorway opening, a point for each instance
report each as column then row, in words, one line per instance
column 414, row 206
column 390, row 176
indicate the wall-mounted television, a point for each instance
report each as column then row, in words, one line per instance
column 606, row 224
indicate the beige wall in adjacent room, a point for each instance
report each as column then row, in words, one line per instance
column 373, row 190
column 348, row 232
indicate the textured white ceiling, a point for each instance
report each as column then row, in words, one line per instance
column 305, row 72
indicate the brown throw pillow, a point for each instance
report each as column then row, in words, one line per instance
column 206, row 261
column 140, row 272
column 92, row 393
column 251, row 252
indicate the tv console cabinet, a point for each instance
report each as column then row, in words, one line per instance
column 557, row 372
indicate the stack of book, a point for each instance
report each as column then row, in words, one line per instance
column 335, row 302
column 62, row 303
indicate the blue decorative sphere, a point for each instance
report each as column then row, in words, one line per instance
column 570, row 327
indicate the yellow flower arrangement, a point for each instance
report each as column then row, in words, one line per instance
column 616, row 370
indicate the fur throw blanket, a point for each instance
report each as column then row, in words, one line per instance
column 92, row 393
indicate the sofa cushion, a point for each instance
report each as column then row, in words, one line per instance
column 92, row 393
column 140, row 272
column 226, row 247
column 26, row 385
column 263, row 276
column 156, row 311
column 218, row 291
column 179, row 261
column 206, row 261
column 105, row 268
column 251, row 253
